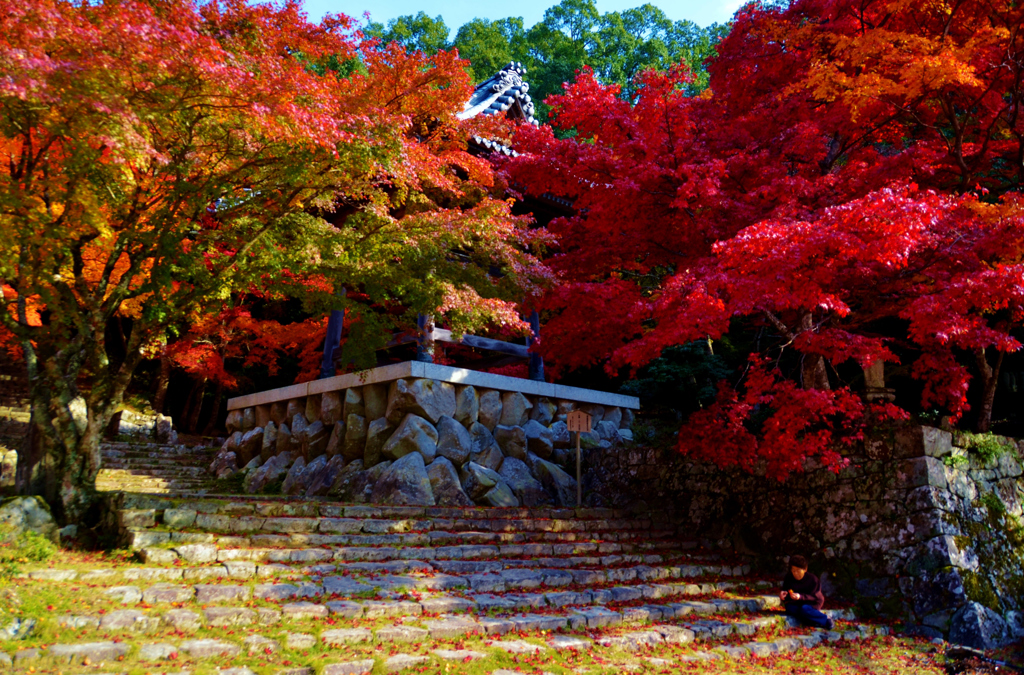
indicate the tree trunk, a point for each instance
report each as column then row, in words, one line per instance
column 61, row 465
column 989, row 383
column 211, row 423
column 163, row 379
column 814, row 374
column 196, row 406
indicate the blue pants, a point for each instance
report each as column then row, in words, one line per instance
column 807, row 614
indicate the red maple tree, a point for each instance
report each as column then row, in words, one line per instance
column 847, row 186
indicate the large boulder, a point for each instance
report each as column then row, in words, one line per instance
column 561, row 438
column 540, row 440
column 313, row 408
column 429, row 399
column 414, row 434
column 375, row 401
column 232, row 442
column 492, row 458
column 975, row 625
column 270, row 471
column 299, row 426
column 225, row 464
column 321, row 481
column 544, row 411
column 477, row 480
column 524, row 486
column 377, row 434
column 314, row 442
column 29, row 514
column 482, row 438
column 453, row 441
column 248, row 419
column 613, row 415
column 296, row 406
column 250, row 445
column 444, row 482
column 341, row 488
column 269, row 448
column 335, row 441
column 609, row 431
column 330, row 407
column 489, row 409
column 467, row 406
column 354, row 445
column 515, row 409
column 500, row 496
column 405, row 482
column 233, row 422
column 297, row 480
column 354, row 402
column 284, row 439
column 556, row 481
column 512, row 441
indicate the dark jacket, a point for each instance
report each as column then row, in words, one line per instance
column 809, row 589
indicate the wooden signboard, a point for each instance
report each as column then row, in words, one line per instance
column 579, row 422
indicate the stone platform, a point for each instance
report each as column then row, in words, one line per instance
column 419, row 434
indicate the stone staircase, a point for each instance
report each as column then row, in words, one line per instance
column 154, row 468
column 319, row 588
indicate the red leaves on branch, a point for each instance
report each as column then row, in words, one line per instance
column 846, row 188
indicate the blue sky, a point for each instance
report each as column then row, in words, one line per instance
column 458, row 12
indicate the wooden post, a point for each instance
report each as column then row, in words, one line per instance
column 425, row 345
column 536, row 367
column 335, row 325
column 579, row 481
column 578, row 421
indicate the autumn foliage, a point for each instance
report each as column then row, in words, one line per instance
column 166, row 161
column 847, row 192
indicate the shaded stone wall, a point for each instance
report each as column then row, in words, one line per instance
column 915, row 527
column 417, row 441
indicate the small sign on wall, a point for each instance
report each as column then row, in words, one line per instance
column 578, row 421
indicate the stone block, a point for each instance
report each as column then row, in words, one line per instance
column 312, row 410
column 515, row 409
column 924, row 471
column 489, row 409
column 445, row 484
column 425, row 398
column 405, row 482
column 414, row 434
column 375, row 401
column 330, row 407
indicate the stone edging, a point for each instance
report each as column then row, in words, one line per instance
column 433, row 371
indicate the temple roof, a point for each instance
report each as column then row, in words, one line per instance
column 504, row 93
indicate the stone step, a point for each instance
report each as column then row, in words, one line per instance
column 285, row 506
column 159, row 471
column 417, row 544
column 315, row 516
column 347, row 580
column 490, row 638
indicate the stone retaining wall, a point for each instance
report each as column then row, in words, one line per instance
column 455, row 439
column 915, row 527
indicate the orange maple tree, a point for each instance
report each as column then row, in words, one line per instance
column 163, row 157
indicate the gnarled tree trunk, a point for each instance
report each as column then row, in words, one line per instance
column 989, row 375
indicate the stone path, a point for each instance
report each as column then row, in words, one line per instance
column 271, row 586
column 154, row 468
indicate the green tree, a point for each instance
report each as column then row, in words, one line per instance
column 419, row 32
column 491, row 45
